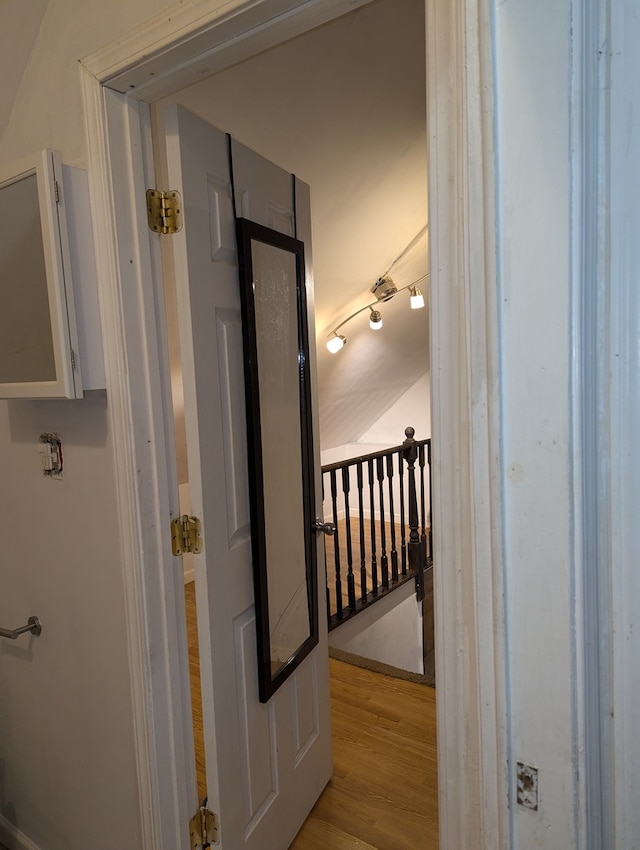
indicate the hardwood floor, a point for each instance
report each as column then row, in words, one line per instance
column 196, row 696
column 383, row 793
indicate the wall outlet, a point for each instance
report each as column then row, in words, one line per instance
column 527, row 782
column 50, row 449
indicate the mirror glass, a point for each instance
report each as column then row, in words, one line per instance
column 280, row 449
column 38, row 335
column 26, row 347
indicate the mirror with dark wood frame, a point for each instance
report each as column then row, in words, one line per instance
column 280, row 449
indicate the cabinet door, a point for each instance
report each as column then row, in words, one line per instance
column 38, row 338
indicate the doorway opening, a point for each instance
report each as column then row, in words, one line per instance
column 117, row 84
column 352, row 122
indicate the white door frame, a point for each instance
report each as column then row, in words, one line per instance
column 171, row 51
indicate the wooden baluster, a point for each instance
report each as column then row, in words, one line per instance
column 403, row 524
column 372, row 522
column 430, row 533
column 384, row 561
column 423, row 518
column 363, row 557
column 351, row 586
column 392, row 520
column 416, row 554
column 336, row 543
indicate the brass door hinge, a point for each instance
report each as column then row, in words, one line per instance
column 186, row 535
column 203, row 829
column 164, row 211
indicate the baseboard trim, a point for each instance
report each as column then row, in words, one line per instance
column 14, row 838
column 380, row 667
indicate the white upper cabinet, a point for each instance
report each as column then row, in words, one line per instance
column 39, row 355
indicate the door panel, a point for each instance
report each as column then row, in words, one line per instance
column 266, row 763
column 232, row 411
column 264, row 193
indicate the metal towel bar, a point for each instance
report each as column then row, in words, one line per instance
column 33, row 626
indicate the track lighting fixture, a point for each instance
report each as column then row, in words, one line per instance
column 384, row 289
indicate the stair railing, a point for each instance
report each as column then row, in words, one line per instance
column 383, row 526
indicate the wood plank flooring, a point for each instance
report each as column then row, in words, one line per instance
column 196, row 696
column 383, row 793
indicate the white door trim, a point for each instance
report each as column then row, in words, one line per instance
column 470, row 632
column 141, row 423
column 466, row 458
column 619, row 416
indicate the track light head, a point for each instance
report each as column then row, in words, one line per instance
column 375, row 320
column 336, row 342
column 417, row 298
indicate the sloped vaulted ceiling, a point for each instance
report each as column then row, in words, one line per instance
column 343, row 107
column 16, row 43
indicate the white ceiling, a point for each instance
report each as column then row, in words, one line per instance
column 343, row 107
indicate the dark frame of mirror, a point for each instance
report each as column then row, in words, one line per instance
column 250, row 235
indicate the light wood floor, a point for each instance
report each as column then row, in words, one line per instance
column 383, row 793
column 196, row 696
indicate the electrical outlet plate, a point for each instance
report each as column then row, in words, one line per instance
column 527, row 786
column 50, row 448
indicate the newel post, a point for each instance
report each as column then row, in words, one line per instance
column 415, row 548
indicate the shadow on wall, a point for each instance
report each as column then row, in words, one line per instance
column 83, row 422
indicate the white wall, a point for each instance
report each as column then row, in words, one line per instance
column 412, row 408
column 389, row 631
column 67, row 749
column 66, row 737
column 47, row 110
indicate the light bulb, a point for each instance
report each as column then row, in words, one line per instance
column 375, row 320
column 417, row 298
column 336, row 342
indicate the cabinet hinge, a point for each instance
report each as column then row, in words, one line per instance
column 73, row 360
column 203, row 829
column 164, row 211
column 56, row 191
column 186, row 535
